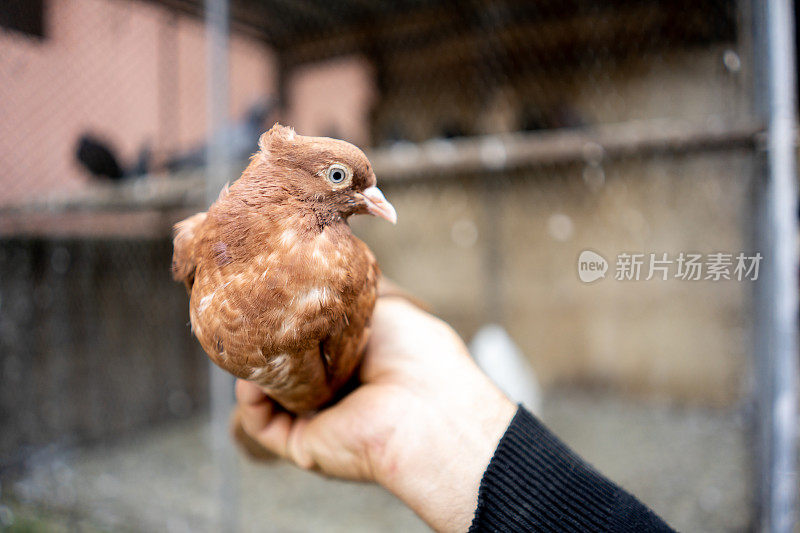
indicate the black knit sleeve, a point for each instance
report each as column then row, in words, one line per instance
column 534, row 482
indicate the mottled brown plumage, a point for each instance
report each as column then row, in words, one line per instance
column 281, row 291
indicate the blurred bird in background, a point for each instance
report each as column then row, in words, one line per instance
column 496, row 353
column 281, row 291
column 239, row 138
column 98, row 157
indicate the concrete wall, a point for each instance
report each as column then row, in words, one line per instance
column 686, row 341
column 673, row 339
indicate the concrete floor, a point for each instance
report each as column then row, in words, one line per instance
column 691, row 466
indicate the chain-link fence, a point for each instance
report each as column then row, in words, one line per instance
column 554, row 166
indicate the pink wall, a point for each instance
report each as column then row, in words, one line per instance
column 333, row 97
column 99, row 69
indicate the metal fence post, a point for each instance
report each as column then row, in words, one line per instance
column 777, row 312
column 226, row 479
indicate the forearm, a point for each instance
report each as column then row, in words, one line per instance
column 536, row 483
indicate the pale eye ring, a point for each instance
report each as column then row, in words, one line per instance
column 337, row 174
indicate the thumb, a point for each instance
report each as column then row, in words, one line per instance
column 245, row 442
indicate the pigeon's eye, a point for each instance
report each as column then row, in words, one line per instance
column 337, row 174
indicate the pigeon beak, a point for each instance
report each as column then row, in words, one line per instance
column 378, row 205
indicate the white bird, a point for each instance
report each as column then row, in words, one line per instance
column 506, row 365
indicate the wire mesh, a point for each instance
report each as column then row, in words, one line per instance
column 511, row 137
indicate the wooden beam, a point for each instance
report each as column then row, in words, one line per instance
column 146, row 193
column 435, row 37
column 496, row 153
column 245, row 20
column 437, row 158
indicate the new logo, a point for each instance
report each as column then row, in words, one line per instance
column 591, row 266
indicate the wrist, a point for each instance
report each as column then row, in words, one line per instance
column 437, row 473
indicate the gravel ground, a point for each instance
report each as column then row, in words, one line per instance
column 691, row 466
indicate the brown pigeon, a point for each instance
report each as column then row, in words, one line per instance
column 281, row 291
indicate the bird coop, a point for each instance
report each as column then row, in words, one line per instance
column 607, row 189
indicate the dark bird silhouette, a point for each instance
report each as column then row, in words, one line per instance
column 98, row 157
column 239, row 139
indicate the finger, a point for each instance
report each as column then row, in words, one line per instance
column 246, row 443
column 256, row 417
column 283, row 436
column 297, row 445
column 278, row 432
column 255, row 408
column 395, row 317
column 274, row 436
column 249, row 393
column 325, row 442
column 394, row 326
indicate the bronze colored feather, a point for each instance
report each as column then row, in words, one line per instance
column 281, row 291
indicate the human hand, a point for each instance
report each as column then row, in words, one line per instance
column 424, row 423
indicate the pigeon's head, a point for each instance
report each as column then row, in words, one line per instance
column 329, row 176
